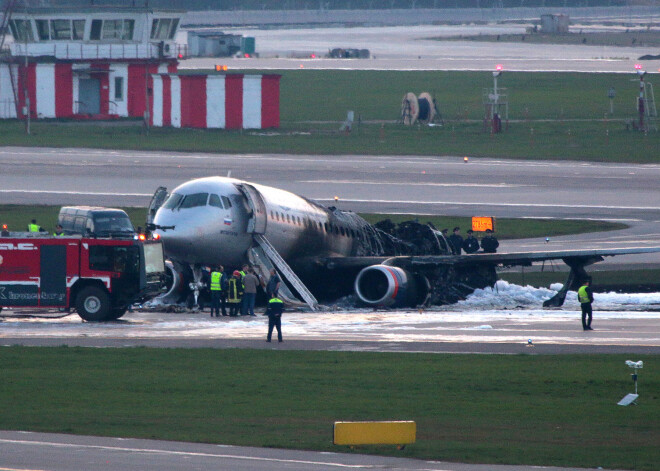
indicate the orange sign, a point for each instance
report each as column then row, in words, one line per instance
column 481, row 223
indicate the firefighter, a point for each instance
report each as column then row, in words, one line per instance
column 217, row 292
column 34, row 227
column 59, row 232
column 274, row 313
column 234, row 293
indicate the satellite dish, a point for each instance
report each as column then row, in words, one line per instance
column 426, row 108
column 409, row 109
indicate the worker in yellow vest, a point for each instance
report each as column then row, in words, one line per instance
column 34, row 227
column 274, row 313
column 217, row 291
column 586, row 297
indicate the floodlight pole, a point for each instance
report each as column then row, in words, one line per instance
column 641, row 105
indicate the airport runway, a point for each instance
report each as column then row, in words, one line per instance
column 390, row 184
column 386, row 184
column 27, row 451
column 410, row 48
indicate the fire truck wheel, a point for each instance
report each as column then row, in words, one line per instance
column 93, row 304
column 116, row 313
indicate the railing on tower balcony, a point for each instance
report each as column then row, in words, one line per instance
column 85, row 51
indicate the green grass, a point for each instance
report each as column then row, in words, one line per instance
column 536, row 410
column 553, row 116
column 17, row 218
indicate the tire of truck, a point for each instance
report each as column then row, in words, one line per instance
column 93, row 304
column 116, row 313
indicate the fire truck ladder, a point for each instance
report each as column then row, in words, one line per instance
column 272, row 259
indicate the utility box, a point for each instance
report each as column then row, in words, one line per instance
column 554, row 24
column 248, row 45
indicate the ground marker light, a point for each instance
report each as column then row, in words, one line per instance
column 632, row 398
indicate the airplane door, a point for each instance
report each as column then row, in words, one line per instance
column 157, row 201
column 257, row 222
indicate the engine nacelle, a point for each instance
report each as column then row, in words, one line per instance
column 388, row 286
column 177, row 278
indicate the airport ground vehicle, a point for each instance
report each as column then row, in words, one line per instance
column 95, row 221
column 99, row 278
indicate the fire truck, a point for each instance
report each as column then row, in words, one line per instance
column 99, row 278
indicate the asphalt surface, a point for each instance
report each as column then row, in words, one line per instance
column 26, row 451
column 411, row 48
column 387, row 184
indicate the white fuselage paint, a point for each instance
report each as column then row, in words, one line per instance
column 211, row 235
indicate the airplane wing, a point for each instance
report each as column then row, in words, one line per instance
column 442, row 279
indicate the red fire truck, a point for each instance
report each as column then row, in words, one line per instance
column 99, row 278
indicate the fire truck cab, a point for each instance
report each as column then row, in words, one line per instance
column 99, row 278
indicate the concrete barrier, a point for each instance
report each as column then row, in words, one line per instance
column 375, row 433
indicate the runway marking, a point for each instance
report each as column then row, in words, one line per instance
column 477, row 185
column 480, row 203
column 190, row 453
column 20, row 469
column 64, row 192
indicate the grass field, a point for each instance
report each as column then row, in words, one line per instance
column 17, row 218
column 540, row 410
column 553, row 116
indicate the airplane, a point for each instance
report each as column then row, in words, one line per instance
column 323, row 252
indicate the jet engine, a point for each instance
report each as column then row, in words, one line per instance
column 177, row 278
column 390, row 286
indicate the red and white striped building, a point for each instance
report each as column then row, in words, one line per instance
column 231, row 101
column 111, row 63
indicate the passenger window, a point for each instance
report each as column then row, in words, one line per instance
column 194, row 200
column 326, row 227
column 342, row 231
column 288, row 219
column 226, row 201
column 214, row 200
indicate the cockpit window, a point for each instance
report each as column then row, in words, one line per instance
column 173, row 201
column 214, row 200
column 194, row 200
column 226, row 201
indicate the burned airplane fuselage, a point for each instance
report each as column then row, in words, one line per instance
column 219, row 221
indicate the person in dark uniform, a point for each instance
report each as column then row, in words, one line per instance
column 471, row 244
column 274, row 283
column 59, row 232
column 274, row 313
column 456, row 241
column 489, row 243
column 586, row 297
